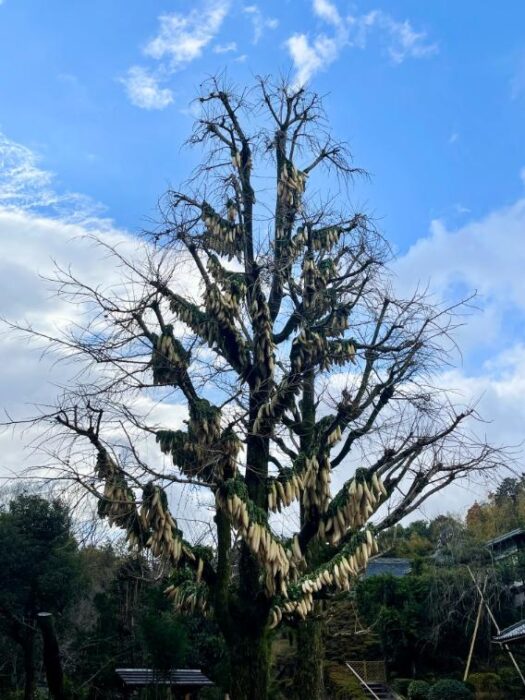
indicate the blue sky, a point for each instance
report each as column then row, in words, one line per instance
column 95, row 105
column 438, row 123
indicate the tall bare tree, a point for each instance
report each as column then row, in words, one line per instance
column 264, row 305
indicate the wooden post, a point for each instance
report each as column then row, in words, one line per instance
column 52, row 663
column 498, row 630
column 475, row 633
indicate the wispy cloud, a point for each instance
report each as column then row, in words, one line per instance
column 405, row 41
column 488, row 257
column 312, row 55
column 326, row 10
column 144, row 91
column 260, row 23
column 225, row 48
column 25, row 186
column 181, row 39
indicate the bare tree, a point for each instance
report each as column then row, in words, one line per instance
column 309, row 385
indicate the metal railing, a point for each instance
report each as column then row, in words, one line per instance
column 362, row 681
column 371, row 671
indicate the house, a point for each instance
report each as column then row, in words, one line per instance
column 505, row 549
column 395, row 566
column 507, row 545
column 512, row 634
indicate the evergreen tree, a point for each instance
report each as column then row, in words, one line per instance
column 40, row 572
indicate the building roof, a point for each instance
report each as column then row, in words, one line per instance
column 507, row 536
column 514, row 633
column 395, row 566
column 141, row 677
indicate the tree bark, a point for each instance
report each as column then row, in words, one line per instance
column 29, row 665
column 309, row 671
column 310, row 642
column 250, row 664
column 52, row 663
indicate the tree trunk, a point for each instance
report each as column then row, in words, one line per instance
column 53, row 666
column 250, row 665
column 310, row 661
column 29, row 665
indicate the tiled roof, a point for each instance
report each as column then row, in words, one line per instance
column 511, row 634
column 394, row 566
column 507, row 536
column 175, row 677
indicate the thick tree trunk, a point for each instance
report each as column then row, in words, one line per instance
column 250, row 666
column 29, row 665
column 310, row 661
column 52, row 663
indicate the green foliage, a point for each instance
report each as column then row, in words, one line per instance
column 342, row 684
column 503, row 511
column 400, row 685
column 449, row 689
column 418, row 690
column 164, row 639
column 40, row 564
column 511, row 682
column 487, row 685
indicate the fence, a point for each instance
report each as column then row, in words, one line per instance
column 370, row 671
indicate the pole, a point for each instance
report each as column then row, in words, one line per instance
column 498, row 630
column 474, row 634
column 52, row 663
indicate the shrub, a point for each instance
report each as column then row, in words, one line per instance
column 418, row 690
column 511, row 682
column 487, row 685
column 449, row 689
column 400, row 685
column 342, row 684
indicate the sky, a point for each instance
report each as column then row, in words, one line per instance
column 96, row 102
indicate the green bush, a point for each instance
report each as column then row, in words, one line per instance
column 342, row 685
column 487, row 685
column 449, row 689
column 400, row 685
column 511, row 682
column 418, row 690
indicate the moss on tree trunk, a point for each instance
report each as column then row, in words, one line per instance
column 310, row 661
column 250, row 667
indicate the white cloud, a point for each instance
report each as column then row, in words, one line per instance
column 39, row 227
column 312, row 55
column 327, row 11
column 144, row 91
column 405, row 41
column 260, row 23
column 25, row 186
column 486, row 255
column 181, row 39
column 225, row 48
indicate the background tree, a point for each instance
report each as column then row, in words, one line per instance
column 504, row 510
column 40, row 571
column 307, row 382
